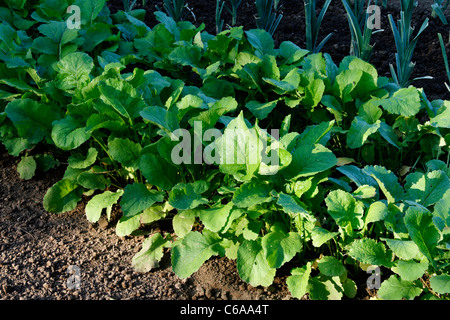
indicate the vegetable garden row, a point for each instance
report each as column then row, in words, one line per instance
column 334, row 169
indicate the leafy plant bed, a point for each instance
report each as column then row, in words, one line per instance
column 316, row 177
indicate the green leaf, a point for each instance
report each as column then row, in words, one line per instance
column 357, row 175
column 345, row 210
column 290, row 205
column 308, row 160
column 32, row 120
column 427, row 189
column 331, row 267
column 137, row 197
column 215, row 219
column 92, row 180
column 184, row 196
column 151, row 253
column 262, row 41
column 405, row 102
column 125, row 151
column 26, row 168
column 404, row 249
column 298, row 281
column 127, row 225
column 159, row 116
column 122, row 97
column 280, row 247
column 90, row 9
column 396, row 289
column 387, row 181
column 377, row 212
column 360, row 131
column 189, row 253
column 422, row 231
column 63, row 196
column 324, row 288
column 78, row 161
column 320, row 236
column 252, row 265
column 69, row 133
column 369, row 251
column 158, row 171
column 99, row 202
column 410, row 270
column 252, row 193
column 73, row 71
column 441, row 213
column 261, row 109
column 183, row 221
column 440, row 283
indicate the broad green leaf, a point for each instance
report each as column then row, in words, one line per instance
column 357, row 175
column 32, row 120
column 125, row 151
column 369, row 251
column 350, row 288
column 404, row 249
column 26, row 167
column 239, row 149
column 405, row 102
column 387, row 181
column 316, row 134
column 69, row 133
column 63, row 196
column 122, row 97
column 184, row 196
column 137, row 197
column 262, row 41
column 183, row 221
column 377, row 212
column 308, row 160
column 189, row 253
column 331, row 267
column 252, row 265
column 280, row 247
column 345, row 210
column 441, row 213
column 325, row 288
column 427, row 189
column 397, row 289
column 151, row 253
column 73, row 71
column 99, row 202
column 90, row 9
column 440, row 283
column 314, row 91
column 186, row 56
column 320, row 236
column 127, row 225
column 410, row 270
column 360, row 131
column 252, row 193
column 78, row 161
column 161, row 117
column 261, row 109
column 92, row 180
column 291, row 52
column 290, row 205
column 158, row 171
column 422, row 231
column 298, row 281
column 215, row 219
column 442, row 119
